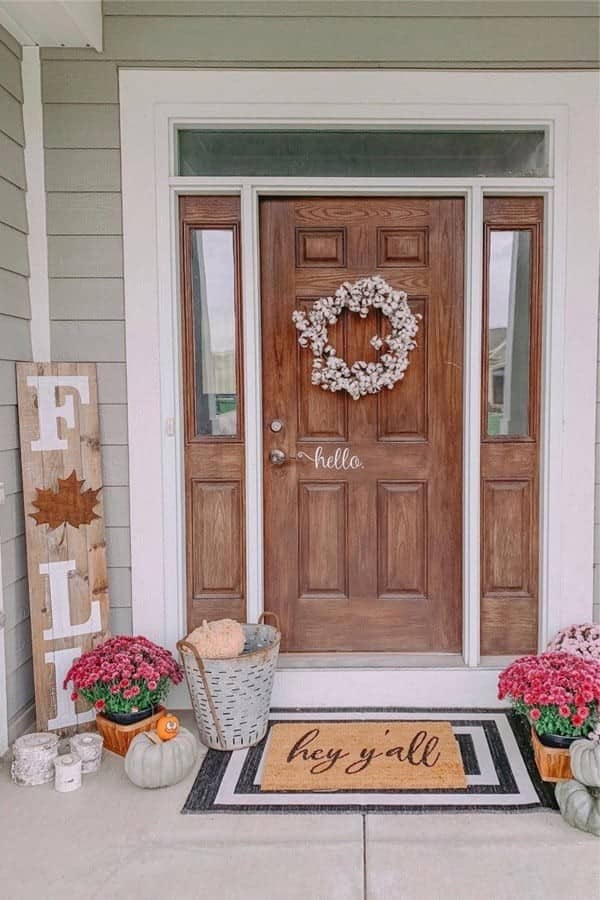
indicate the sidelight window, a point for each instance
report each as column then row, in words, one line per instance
column 508, row 332
column 214, row 329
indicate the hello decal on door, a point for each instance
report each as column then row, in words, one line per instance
column 66, row 555
column 341, row 460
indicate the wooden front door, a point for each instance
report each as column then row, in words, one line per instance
column 363, row 556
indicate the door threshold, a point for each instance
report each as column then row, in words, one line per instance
column 370, row 661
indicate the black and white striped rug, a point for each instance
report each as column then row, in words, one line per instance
column 494, row 744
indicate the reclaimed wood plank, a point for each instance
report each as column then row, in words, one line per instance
column 66, row 564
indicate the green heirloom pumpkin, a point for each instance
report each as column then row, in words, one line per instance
column 152, row 763
column 585, row 762
column 579, row 806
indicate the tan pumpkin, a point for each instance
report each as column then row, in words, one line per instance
column 579, row 806
column 222, row 639
column 585, row 762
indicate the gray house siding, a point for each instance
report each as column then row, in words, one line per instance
column 15, row 344
column 81, row 134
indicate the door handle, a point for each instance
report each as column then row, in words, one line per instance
column 277, row 457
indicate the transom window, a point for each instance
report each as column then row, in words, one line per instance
column 339, row 153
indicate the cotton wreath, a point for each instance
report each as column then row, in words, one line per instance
column 331, row 371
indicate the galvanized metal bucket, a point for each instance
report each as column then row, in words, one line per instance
column 231, row 698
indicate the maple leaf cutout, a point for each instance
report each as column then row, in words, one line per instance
column 69, row 504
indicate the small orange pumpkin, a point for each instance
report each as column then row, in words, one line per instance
column 167, row 727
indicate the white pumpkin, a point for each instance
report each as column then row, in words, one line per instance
column 152, row 763
column 585, row 762
column 579, row 806
column 222, row 639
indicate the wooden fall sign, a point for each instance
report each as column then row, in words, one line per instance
column 66, row 553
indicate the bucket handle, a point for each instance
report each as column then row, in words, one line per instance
column 263, row 616
column 186, row 647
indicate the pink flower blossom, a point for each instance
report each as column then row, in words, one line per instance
column 535, row 714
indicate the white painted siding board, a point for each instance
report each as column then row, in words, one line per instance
column 88, row 341
column 120, row 620
column 11, row 117
column 83, row 170
column 10, row 71
column 84, row 213
column 85, row 256
column 10, row 471
column 119, row 587
column 86, row 298
column 13, row 250
column 77, row 125
column 112, row 383
column 75, row 82
column 116, row 507
column 15, row 340
column 115, row 464
column 12, row 205
column 118, row 548
column 14, row 294
column 16, row 603
column 12, row 165
column 113, row 425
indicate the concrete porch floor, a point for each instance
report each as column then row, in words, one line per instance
column 111, row 839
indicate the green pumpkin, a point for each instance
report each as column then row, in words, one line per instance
column 585, row 762
column 152, row 763
column 579, row 806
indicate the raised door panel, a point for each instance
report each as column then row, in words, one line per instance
column 402, row 413
column 320, row 247
column 507, row 529
column 402, row 247
column 322, row 416
column 216, row 538
column 322, row 560
column 402, row 539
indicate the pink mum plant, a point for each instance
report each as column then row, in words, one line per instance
column 583, row 640
column 123, row 675
column 558, row 692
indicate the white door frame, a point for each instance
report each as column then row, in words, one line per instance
column 153, row 104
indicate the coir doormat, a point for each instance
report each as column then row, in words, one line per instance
column 494, row 747
column 346, row 756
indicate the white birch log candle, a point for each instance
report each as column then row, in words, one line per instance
column 33, row 758
column 67, row 773
column 89, row 748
